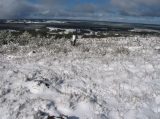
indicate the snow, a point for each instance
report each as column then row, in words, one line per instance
column 69, row 31
column 83, row 84
column 144, row 30
column 54, row 21
column 52, row 28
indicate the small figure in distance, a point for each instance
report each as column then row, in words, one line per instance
column 73, row 41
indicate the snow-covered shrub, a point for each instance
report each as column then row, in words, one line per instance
column 122, row 50
column 6, row 37
column 24, row 39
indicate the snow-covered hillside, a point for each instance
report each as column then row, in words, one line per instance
column 110, row 78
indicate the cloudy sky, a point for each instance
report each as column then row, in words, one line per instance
column 142, row 11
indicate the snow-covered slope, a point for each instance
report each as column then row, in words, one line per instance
column 111, row 78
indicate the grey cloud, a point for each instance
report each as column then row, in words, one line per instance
column 137, row 7
column 47, row 9
column 16, row 9
column 86, row 8
column 77, row 9
column 59, row 9
column 8, row 7
column 25, row 9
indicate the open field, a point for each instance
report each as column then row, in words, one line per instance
column 99, row 78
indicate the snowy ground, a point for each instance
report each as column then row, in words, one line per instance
column 111, row 78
